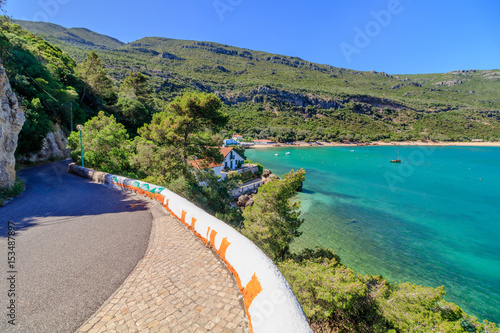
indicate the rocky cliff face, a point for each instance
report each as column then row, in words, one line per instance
column 11, row 122
column 53, row 146
column 304, row 100
column 297, row 99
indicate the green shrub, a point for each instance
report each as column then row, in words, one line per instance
column 11, row 191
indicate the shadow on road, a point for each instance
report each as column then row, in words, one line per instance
column 55, row 196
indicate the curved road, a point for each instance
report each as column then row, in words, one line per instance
column 76, row 242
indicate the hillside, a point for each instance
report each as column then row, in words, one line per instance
column 44, row 79
column 79, row 37
column 279, row 94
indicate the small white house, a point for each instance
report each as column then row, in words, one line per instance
column 237, row 137
column 232, row 161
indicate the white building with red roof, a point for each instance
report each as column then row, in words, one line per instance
column 237, row 137
column 232, row 161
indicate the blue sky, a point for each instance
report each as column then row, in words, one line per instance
column 395, row 36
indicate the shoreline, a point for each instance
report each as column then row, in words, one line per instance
column 379, row 143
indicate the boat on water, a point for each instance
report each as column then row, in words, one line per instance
column 287, row 153
column 396, row 160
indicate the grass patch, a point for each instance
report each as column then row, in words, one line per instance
column 11, row 191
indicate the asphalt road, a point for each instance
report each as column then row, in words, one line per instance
column 75, row 243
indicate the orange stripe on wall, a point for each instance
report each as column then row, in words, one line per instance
column 223, row 247
column 160, row 198
column 251, row 291
column 183, row 217
column 212, row 237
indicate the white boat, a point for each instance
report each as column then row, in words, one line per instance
column 288, row 153
column 275, row 154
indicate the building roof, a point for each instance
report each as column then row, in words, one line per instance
column 201, row 164
column 225, row 150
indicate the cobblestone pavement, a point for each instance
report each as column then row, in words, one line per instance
column 179, row 286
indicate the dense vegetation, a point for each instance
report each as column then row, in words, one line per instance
column 44, row 78
column 54, row 89
column 288, row 98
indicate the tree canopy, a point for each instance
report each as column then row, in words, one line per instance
column 187, row 125
column 135, row 86
column 105, row 145
column 273, row 221
column 95, row 76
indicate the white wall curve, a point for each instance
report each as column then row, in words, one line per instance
column 270, row 304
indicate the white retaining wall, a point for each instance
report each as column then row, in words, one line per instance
column 270, row 304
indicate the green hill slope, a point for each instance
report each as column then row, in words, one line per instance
column 44, row 78
column 79, row 37
column 269, row 95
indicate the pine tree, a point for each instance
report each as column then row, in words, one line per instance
column 273, row 221
column 94, row 75
column 187, row 125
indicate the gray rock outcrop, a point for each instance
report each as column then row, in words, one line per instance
column 11, row 121
column 297, row 99
column 242, row 200
column 53, row 147
column 245, row 201
column 449, row 83
column 268, row 176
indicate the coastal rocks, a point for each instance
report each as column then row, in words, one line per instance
column 244, row 201
column 11, row 121
column 53, row 147
column 268, row 176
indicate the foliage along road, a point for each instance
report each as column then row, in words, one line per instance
column 75, row 242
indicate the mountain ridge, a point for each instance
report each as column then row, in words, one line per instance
column 292, row 90
column 77, row 35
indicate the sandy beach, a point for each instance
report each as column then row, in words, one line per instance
column 379, row 143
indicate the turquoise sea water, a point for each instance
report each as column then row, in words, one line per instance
column 433, row 219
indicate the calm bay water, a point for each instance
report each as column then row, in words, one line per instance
column 433, row 219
